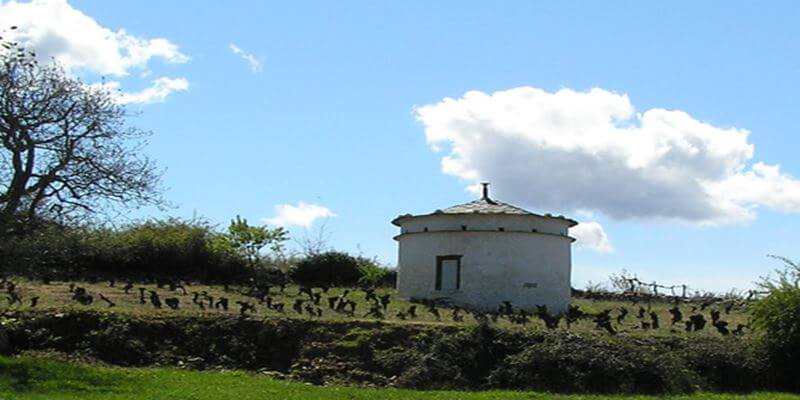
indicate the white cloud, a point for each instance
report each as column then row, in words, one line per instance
column 54, row 29
column 156, row 93
column 590, row 235
column 300, row 215
column 255, row 63
column 592, row 151
column 57, row 31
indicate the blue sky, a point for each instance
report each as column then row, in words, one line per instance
column 331, row 115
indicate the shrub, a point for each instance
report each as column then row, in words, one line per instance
column 248, row 240
column 372, row 273
column 164, row 248
column 389, row 280
column 777, row 317
column 171, row 247
column 117, row 344
column 151, row 246
column 49, row 250
column 471, row 353
column 329, row 268
column 576, row 364
column 727, row 364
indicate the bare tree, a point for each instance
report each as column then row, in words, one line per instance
column 65, row 147
column 317, row 244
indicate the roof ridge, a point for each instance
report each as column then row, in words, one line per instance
column 485, row 206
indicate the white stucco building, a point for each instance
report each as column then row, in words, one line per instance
column 482, row 253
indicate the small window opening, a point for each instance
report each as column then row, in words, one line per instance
column 501, row 229
column 463, row 227
column 534, row 230
column 425, row 230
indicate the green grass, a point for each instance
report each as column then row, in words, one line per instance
column 57, row 297
column 28, row 378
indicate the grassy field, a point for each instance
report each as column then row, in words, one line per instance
column 26, row 378
column 57, row 296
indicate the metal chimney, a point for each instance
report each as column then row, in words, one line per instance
column 485, row 190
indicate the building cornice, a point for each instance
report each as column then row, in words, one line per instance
column 570, row 238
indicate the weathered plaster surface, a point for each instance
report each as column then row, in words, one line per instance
column 527, row 263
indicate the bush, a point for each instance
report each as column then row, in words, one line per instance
column 576, row 364
column 152, row 247
column 459, row 359
column 43, row 253
column 372, row 273
column 171, row 248
column 777, row 317
column 158, row 248
column 329, row 268
column 734, row 364
column 118, row 345
column 335, row 268
column 389, row 280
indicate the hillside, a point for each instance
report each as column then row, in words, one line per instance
column 339, row 304
column 326, row 343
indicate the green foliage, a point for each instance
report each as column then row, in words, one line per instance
column 372, row 273
column 583, row 364
column 334, row 268
column 733, row 364
column 172, row 247
column 163, row 247
column 777, row 317
column 328, row 268
column 250, row 240
column 51, row 249
column 164, row 242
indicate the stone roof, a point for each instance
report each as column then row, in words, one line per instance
column 485, row 205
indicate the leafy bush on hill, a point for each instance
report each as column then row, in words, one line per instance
column 575, row 364
column 49, row 250
column 179, row 249
column 335, row 268
column 171, row 246
column 777, row 317
column 328, row 268
column 162, row 248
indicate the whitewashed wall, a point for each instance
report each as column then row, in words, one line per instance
column 517, row 265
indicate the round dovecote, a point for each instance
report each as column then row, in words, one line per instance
column 483, row 253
